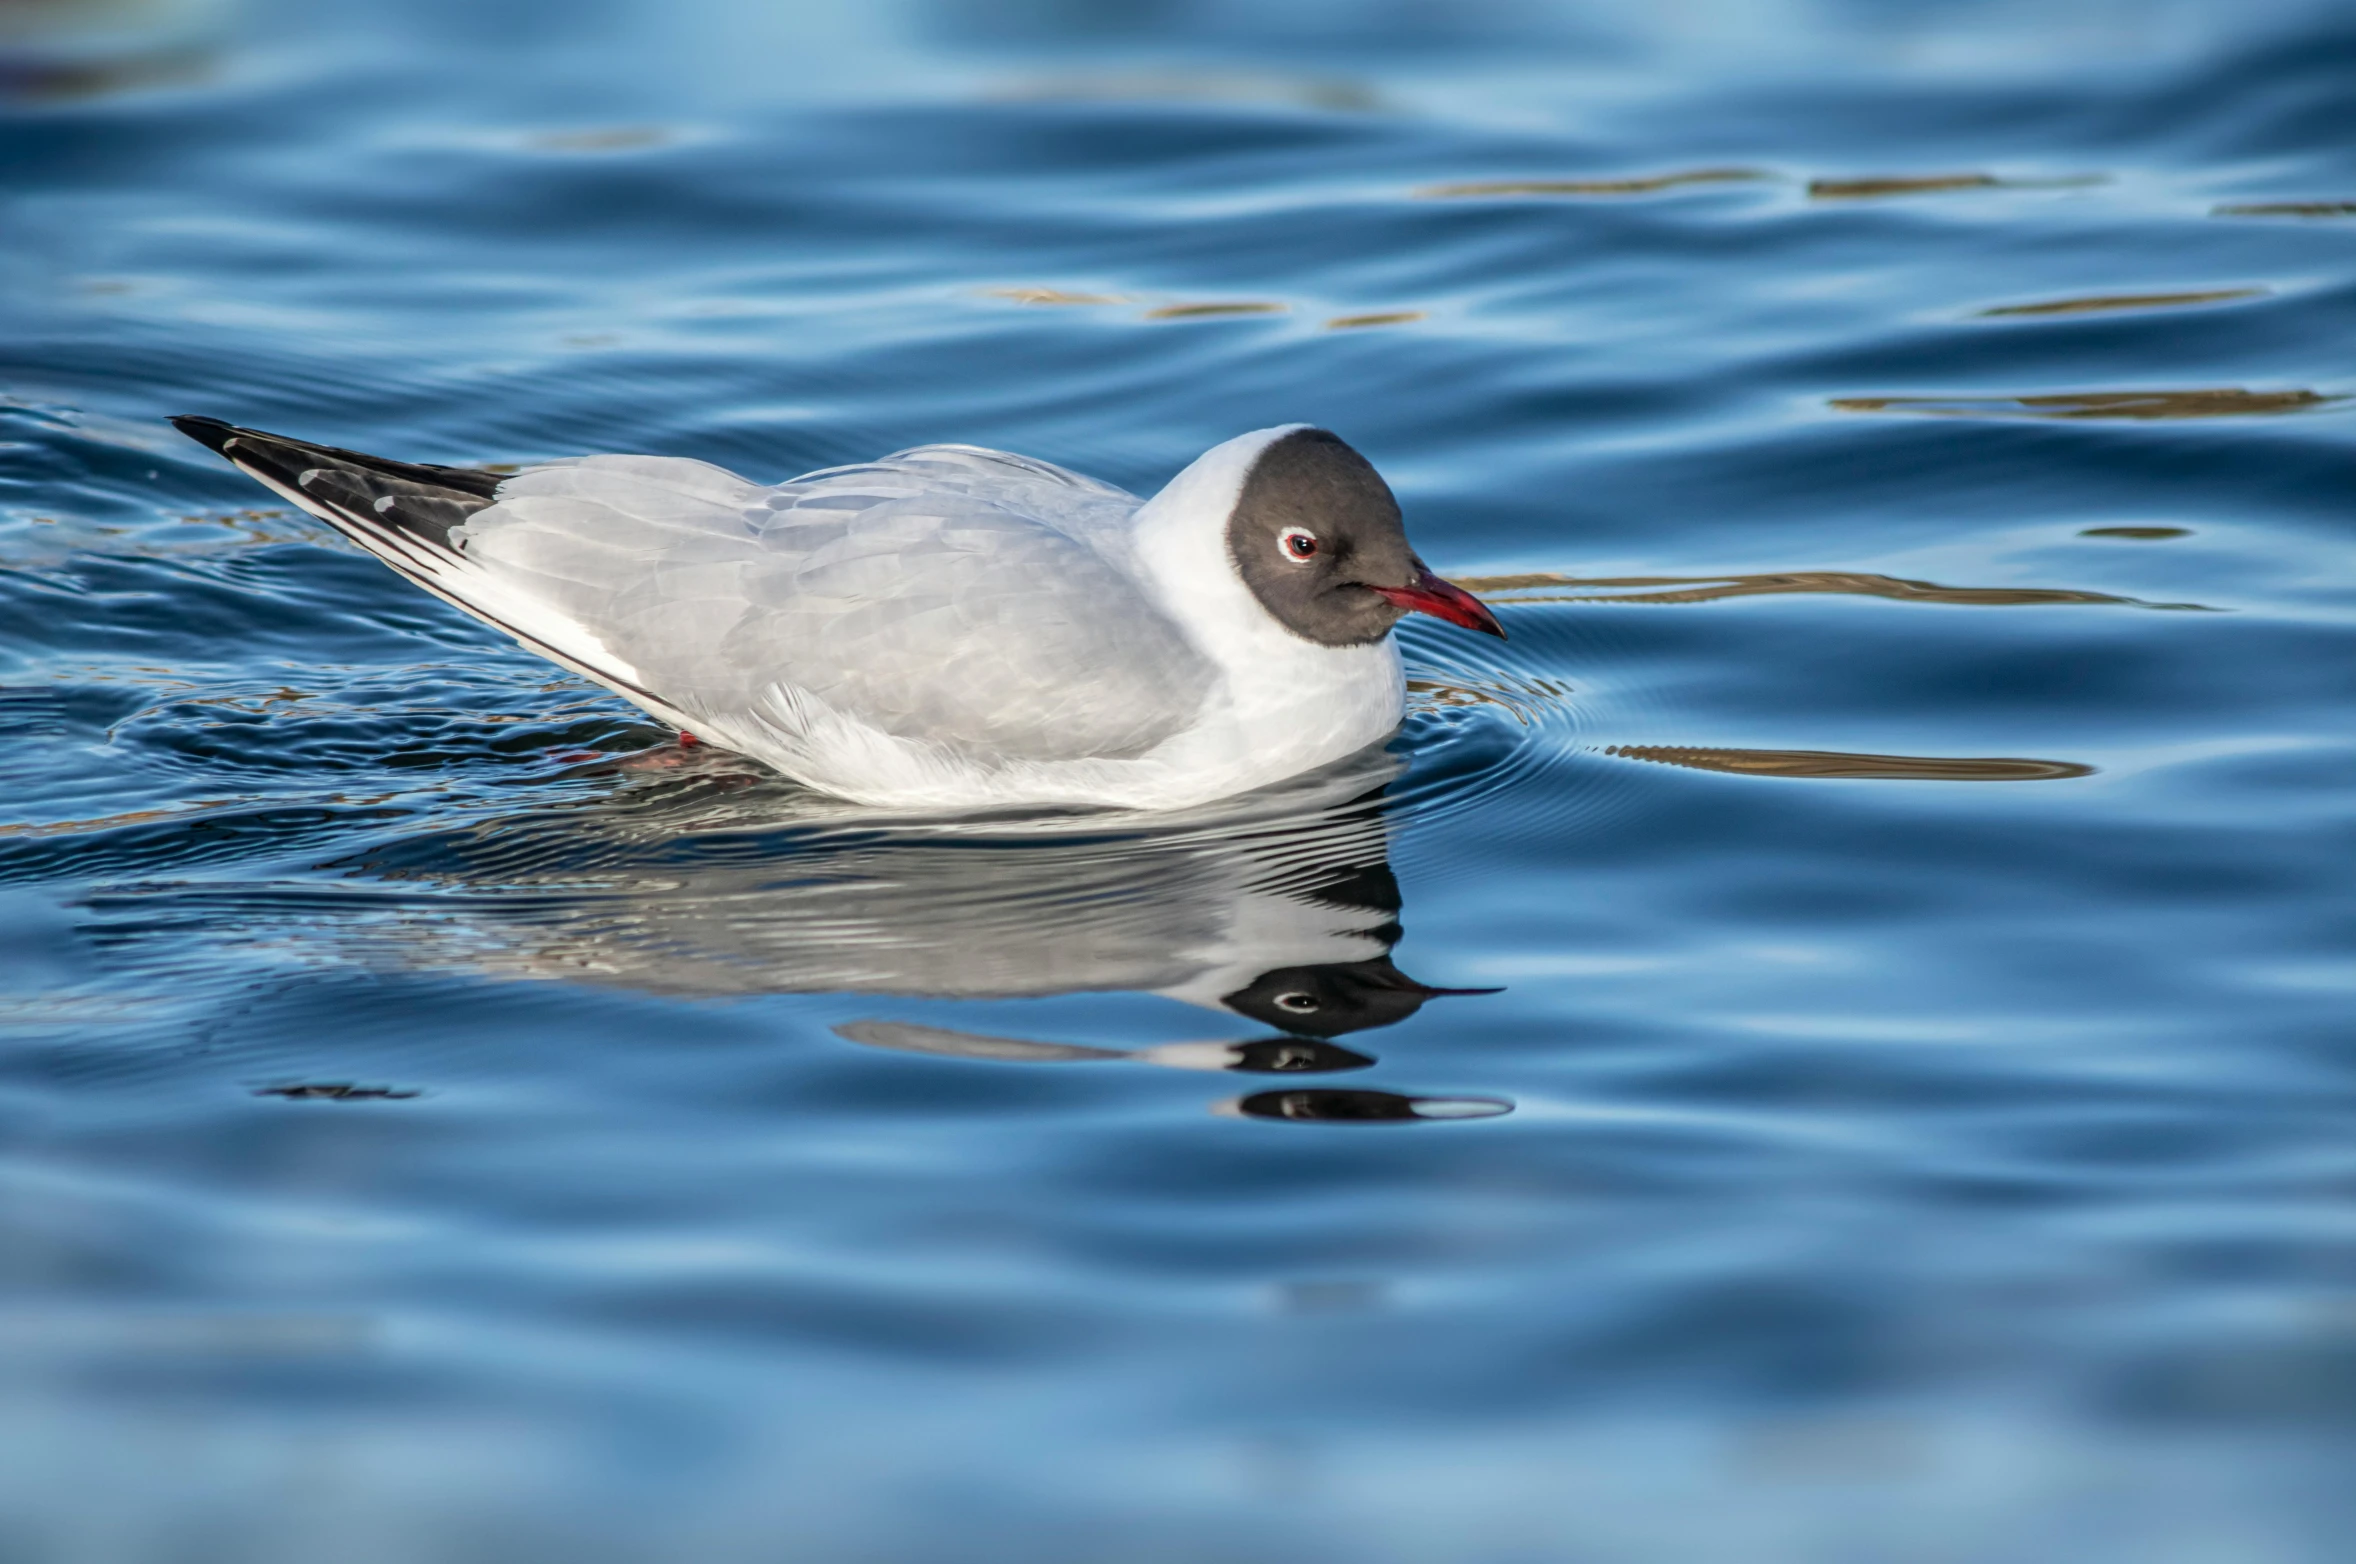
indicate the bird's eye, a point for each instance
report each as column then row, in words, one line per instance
column 1300, row 545
column 1297, row 1000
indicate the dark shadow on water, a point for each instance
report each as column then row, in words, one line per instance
column 337, row 1091
column 1836, row 764
column 2287, row 209
column 2208, row 402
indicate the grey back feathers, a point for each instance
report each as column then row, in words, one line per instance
column 948, row 594
column 1310, row 484
column 967, row 598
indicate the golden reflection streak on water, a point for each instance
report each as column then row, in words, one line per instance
column 1205, row 311
column 1839, row 764
column 1873, row 189
column 2125, row 301
column 1380, row 318
column 1869, row 189
column 2206, row 402
column 1710, row 589
column 1648, row 184
column 1057, row 296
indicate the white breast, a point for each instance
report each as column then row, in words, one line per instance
column 1287, row 704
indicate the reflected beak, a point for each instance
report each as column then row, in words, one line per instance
column 1387, row 976
column 1428, row 594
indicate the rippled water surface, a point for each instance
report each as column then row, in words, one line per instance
column 1897, row 1105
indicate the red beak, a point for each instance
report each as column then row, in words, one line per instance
column 1428, row 594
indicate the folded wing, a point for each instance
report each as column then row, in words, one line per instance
column 956, row 597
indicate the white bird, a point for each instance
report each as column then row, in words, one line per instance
column 947, row 627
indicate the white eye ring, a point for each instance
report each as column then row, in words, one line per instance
column 1298, row 543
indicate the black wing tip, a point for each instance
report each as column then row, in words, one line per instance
column 211, row 433
column 259, row 447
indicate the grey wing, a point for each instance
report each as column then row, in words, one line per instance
column 947, row 594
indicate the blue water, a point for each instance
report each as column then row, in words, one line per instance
column 1908, row 829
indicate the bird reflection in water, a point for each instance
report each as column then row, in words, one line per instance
column 1256, row 1056
column 1312, row 1004
column 1279, row 908
column 1315, row 899
column 1329, row 1106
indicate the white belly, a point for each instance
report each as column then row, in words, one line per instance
column 1289, row 714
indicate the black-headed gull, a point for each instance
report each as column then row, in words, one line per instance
column 947, row 627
